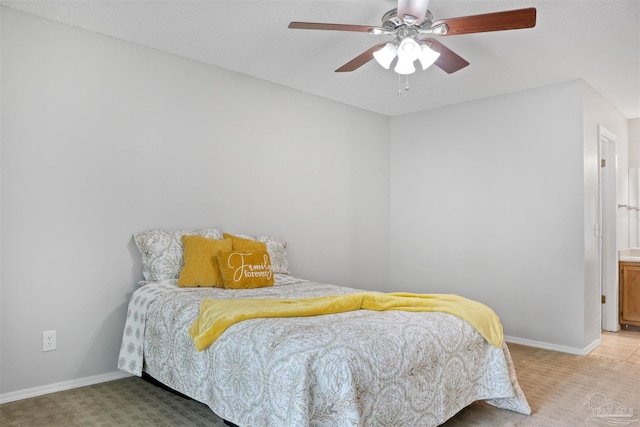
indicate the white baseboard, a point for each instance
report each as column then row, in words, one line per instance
column 65, row 385
column 555, row 347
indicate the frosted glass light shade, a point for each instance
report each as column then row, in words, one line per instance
column 404, row 66
column 427, row 56
column 385, row 55
column 409, row 49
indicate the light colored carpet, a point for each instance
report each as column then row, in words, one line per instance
column 557, row 386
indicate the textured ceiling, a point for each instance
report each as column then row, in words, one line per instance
column 597, row 41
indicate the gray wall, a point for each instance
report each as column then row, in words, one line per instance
column 102, row 138
column 490, row 203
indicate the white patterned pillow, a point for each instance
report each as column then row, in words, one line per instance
column 277, row 249
column 162, row 251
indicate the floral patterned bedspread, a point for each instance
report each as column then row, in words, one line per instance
column 360, row 368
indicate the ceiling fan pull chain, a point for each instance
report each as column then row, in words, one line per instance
column 406, row 83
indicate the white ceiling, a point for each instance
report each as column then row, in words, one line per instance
column 594, row 40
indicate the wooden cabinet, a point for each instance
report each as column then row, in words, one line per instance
column 629, row 293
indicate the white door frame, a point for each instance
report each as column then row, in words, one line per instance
column 607, row 217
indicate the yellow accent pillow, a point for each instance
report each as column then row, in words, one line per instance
column 200, row 262
column 245, row 245
column 245, row 270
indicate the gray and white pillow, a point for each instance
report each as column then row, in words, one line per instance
column 277, row 249
column 162, row 251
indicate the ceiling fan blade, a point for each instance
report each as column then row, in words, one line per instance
column 334, row 27
column 360, row 60
column 448, row 61
column 509, row 20
column 413, row 8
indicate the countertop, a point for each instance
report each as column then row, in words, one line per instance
column 629, row 255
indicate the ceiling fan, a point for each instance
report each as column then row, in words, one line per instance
column 412, row 26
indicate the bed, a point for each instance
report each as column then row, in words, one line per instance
column 357, row 368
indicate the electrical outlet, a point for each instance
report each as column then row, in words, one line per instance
column 48, row 340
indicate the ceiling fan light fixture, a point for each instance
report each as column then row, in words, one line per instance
column 385, row 55
column 427, row 56
column 409, row 23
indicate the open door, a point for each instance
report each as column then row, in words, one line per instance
column 607, row 247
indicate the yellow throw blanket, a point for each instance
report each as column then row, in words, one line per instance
column 217, row 315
